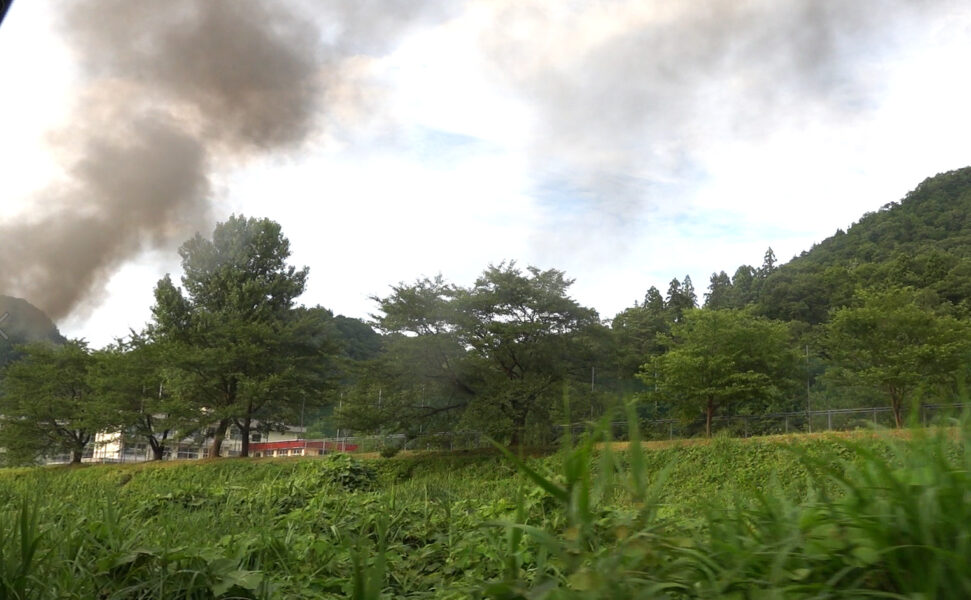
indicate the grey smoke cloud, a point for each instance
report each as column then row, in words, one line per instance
column 128, row 192
column 244, row 74
column 172, row 90
column 624, row 111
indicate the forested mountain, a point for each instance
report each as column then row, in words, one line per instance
column 22, row 322
column 923, row 241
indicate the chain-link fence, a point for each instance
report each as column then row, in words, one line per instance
column 834, row 419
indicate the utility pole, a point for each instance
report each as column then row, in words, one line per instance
column 809, row 401
column 303, row 430
column 340, row 409
column 593, row 379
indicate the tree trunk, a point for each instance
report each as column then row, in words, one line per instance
column 244, row 429
column 76, row 454
column 895, row 404
column 516, row 441
column 518, row 412
column 158, row 449
column 218, row 437
column 709, row 413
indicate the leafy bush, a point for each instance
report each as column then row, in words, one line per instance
column 348, row 472
column 390, row 450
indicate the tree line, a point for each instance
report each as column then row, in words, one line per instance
column 512, row 353
column 230, row 347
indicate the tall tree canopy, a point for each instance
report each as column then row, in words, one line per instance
column 893, row 341
column 638, row 330
column 721, row 358
column 130, row 376
column 47, row 403
column 719, row 293
column 499, row 350
column 681, row 297
column 239, row 348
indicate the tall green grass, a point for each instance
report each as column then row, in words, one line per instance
column 874, row 516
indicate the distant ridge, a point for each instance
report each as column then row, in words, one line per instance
column 23, row 323
column 923, row 241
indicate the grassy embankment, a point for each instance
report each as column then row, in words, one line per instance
column 789, row 517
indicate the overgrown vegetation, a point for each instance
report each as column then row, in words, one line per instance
column 789, row 517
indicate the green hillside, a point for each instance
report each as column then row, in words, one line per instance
column 922, row 241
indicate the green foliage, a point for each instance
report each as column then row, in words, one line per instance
column 131, row 377
column 891, row 343
column 47, row 403
column 723, row 358
column 495, row 354
column 348, row 472
column 638, row 330
column 359, row 341
column 236, row 346
column 921, row 241
column 389, row 450
column 720, row 292
column 681, row 298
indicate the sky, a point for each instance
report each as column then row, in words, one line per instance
column 624, row 142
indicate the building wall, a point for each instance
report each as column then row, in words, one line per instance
column 114, row 447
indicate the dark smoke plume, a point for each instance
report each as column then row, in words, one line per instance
column 173, row 90
column 170, row 87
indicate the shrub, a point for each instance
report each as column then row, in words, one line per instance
column 390, row 450
column 348, row 472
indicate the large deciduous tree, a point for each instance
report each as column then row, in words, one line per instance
column 528, row 336
column 131, row 376
column 498, row 351
column 895, row 342
column 721, row 358
column 239, row 348
column 48, row 405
